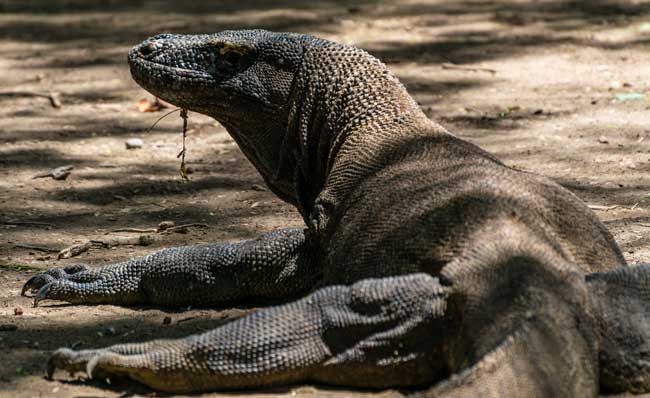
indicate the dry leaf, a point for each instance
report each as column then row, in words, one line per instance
column 147, row 105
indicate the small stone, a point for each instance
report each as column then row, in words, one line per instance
column 258, row 187
column 18, row 311
column 134, row 143
column 603, row 140
column 615, row 85
column 167, row 320
column 111, row 331
column 163, row 225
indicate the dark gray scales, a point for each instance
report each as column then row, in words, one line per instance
column 424, row 262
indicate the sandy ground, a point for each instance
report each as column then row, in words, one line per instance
column 549, row 87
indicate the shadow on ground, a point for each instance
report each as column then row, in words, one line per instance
column 79, row 47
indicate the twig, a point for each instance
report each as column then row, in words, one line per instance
column 161, row 118
column 163, row 227
column 41, row 248
column 604, row 208
column 59, row 173
column 449, row 65
column 612, row 207
column 182, row 153
column 73, row 251
column 136, row 230
column 184, row 226
column 54, row 97
column 12, row 222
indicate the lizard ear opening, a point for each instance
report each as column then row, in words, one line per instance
column 621, row 306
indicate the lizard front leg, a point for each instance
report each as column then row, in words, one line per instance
column 275, row 265
column 375, row 333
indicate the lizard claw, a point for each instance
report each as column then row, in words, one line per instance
column 42, row 294
column 65, row 359
column 95, row 363
column 35, row 283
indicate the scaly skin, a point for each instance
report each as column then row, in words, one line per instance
column 431, row 263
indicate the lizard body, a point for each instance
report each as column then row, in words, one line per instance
column 430, row 263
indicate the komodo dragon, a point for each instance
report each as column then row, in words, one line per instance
column 425, row 262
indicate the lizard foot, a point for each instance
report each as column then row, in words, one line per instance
column 77, row 284
column 68, row 360
column 97, row 364
column 108, row 364
column 36, row 282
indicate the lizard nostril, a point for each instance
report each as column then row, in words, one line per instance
column 148, row 49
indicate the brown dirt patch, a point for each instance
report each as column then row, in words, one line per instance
column 551, row 107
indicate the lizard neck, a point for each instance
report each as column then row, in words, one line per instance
column 344, row 105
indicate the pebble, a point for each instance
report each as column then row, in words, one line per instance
column 134, row 143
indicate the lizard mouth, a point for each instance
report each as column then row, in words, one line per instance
column 173, row 84
column 139, row 65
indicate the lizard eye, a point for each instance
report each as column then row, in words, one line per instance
column 231, row 57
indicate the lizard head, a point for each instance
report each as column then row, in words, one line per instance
column 241, row 78
column 290, row 101
column 621, row 307
column 218, row 74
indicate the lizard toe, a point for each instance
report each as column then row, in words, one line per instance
column 65, row 359
column 44, row 293
column 104, row 365
column 35, row 283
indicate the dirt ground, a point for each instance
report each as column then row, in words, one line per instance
column 555, row 87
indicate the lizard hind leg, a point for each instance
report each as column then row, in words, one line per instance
column 524, row 330
column 621, row 304
column 528, row 363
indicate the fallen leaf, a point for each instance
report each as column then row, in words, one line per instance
column 147, row 105
column 629, row 96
